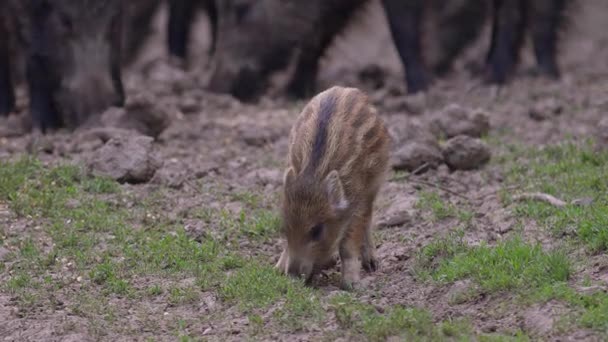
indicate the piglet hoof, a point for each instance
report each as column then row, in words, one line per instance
column 370, row 264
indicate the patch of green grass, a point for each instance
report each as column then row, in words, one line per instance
column 510, row 265
column 250, row 199
column 465, row 217
column 406, row 323
column 441, row 209
column 568, row 171
column 107, row 274
column 429, row 257
column 154, row 290
column 19, row 282
column 591, row 309
column 258, row 286
column 260, row 224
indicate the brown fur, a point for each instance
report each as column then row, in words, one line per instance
column 338, row 157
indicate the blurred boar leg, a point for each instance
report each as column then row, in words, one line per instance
column 40, row 86
column 140, row 14
column 458, row 25
column 211, row 9
column 405, row 20
column 181, row 17
column 181, row 14
column 507, row 37
column 545, row 21
column 7, row 95
column 304, row 79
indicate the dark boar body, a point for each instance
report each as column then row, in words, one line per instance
column 256, row 38
column 72, row 50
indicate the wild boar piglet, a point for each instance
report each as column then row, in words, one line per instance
column 338, row 157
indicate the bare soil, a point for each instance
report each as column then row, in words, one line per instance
column 213, row 146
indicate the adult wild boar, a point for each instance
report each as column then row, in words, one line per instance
column 258, row 37
column 73, row 54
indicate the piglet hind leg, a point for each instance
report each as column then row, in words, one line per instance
column 369, row 262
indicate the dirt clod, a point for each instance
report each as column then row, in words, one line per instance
column 602, row 133
column 465, row 153
column 4, row 252
column 461, row 291
column 545, row 109
column 456, row 120
column 401, row 211
column 266, row 176
column 413, row 145
column 538, row 320
column 15, row 125
column 127, row 159
column 171, row 174
column 414, row 155
column 141, row 114
column 258, row 136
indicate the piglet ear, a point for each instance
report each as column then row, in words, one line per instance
column 289, row 176
column 335, row 191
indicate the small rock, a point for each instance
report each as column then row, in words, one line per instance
column 583, row 201
column 465, row 153
column 393, row 252
column 40, row 143
column 400, row 212
column 72, row 203
column 545, row 109
column 413, row 155
column 413, row 104
column 602, row 133
column 455, row 120
column 195, row 229
column 461, row 291
column 266, row 176
column 205, row 169
column 172, row 174
column 127, row 159
column 234, row 207
column 15, row 125
column 189, row 104
column 77, row 337
column 141, row 114
column 4, row 252
column 590, row 290
column 258, row 136
column 373, row 76
column 403, row 129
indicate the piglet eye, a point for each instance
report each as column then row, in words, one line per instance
column 316, row 232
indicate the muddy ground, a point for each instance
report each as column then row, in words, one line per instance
column 211, row 153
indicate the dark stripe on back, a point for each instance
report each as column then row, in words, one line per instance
column 326, row 109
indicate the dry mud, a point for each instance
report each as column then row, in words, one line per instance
column 202, row 142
